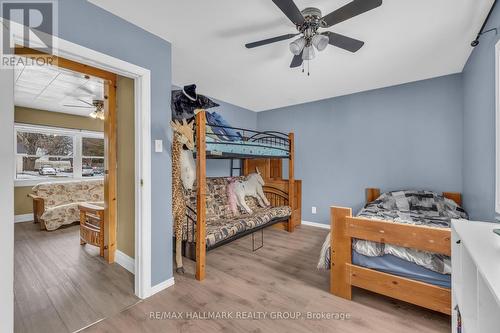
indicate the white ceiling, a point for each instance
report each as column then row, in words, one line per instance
column 405, row 41
column 52, row 88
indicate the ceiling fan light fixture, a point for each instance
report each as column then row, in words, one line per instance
column 297, row 45
column 93, row 115
column 320, row 42
column 308, row 53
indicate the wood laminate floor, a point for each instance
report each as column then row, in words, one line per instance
column 281, row 278
column 60, row 286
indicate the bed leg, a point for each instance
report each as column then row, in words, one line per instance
column 340, row 282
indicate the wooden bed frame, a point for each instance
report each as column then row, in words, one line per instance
column 279, row 191
column 344, row 274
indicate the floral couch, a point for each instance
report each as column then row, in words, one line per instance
column 59, row 201
column 221, row 222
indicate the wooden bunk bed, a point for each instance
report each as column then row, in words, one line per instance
column 344, row 274
column 252, row 148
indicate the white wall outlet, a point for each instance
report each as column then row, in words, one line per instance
column 159, row 146
column 313, row 209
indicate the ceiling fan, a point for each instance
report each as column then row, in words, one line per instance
column 309, row 21
column 97, row 105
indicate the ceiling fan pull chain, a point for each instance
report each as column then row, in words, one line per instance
column 308, row 67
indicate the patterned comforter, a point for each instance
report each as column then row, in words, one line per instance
column 411, row 207
column 222, row 223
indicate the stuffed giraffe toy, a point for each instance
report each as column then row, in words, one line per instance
column 183, row 136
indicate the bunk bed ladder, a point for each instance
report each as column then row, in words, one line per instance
column 232, row 168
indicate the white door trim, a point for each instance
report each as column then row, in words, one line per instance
column 497, row 127
column 142, row 81
column 7, row 199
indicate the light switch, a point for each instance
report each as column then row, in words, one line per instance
column 313, row 210
column 158, row 146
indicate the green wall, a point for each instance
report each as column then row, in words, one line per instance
column 126, row 166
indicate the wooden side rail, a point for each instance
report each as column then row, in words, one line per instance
column 406, row 235
column 408, row 290
column 344, row 274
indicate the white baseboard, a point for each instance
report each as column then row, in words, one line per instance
column 162, row 286
column 23, row 218
column 316, row 224
column 125, row 261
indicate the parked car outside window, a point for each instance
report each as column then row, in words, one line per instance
column 47, row 171
column 87, row 171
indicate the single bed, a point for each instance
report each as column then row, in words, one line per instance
column 398, row 245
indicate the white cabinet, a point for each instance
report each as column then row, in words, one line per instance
column 475, row 257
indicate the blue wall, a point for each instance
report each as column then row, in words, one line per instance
column 406, row 136
column 479, row 125
column 83, row 23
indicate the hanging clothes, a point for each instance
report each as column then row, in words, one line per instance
column 183, row 106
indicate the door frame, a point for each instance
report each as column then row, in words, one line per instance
column 110, row 142
column 142, row 117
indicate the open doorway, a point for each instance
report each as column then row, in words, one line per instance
column 68, row 120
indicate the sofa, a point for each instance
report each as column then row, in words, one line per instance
column 222, row 225
column 56, row 203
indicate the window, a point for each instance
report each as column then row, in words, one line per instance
column 92, row 156
column 55, row 153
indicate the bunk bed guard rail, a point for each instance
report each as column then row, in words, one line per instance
column 276, row 143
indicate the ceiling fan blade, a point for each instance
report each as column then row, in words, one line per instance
column 86, row 90
column 84, row 101
column 289, row 8
column 297, row 60
column 350, row 10
column 344, row 42
column 269, row 40
column 78, row 106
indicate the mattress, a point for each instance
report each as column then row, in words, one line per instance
column 394, row 265
column 244, row 148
